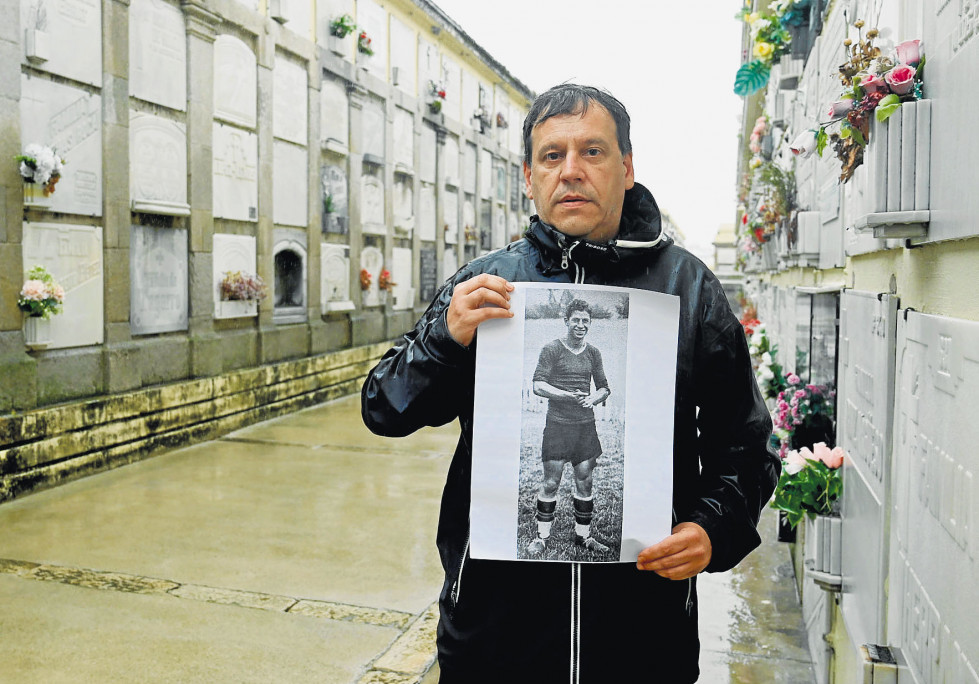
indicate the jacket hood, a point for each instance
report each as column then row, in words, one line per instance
column 640, row 230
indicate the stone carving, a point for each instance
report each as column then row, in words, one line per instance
column 158, row 53
column 404, row 210
column 290, row 184
column 157, row 279
column 70, row 121
column 235, row 84
column 289, row 101
column 72, row 33
column 235, row 174
column 372, row 205
column 73, row 255
column 157, row 164
column 335, row 277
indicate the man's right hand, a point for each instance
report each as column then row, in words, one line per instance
column 474, row 301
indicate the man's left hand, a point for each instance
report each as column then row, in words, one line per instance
column 591, row 400
column 681, row 555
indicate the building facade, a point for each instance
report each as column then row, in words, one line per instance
column 218, row 150
column 861, row 263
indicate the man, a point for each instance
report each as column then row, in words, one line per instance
column 564, row 376
column 601, row 622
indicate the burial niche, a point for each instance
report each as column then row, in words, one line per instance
column 289, row 259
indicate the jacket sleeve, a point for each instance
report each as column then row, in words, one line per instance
column 422, row 380
column 739, row 469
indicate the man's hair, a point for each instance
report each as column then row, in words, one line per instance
column 571, row 98
column 577, row 305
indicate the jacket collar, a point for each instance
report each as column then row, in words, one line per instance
column 640, row 231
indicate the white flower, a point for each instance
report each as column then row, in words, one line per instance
column 766, row 358
column 758, row 26
column 765, row 373
column 805, row 144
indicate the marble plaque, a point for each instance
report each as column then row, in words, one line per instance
column 485, row 174
column 158, row 53
column 403, row 55
column 469, row 168
column 290, row 184
column 429, row 152
column 404, row 139
column 470, row 95
column 157, row 164
column 333, row 184
column 157, row 279
column 68, row 120
column 373, row 19
column 334, row 114
column 298, row 16
column 372, row 205
column 452, row 81
column 934, row 549
column 450, row 211
column 469, row 216
column 290, row 101
column 426, row 212
column 403, row 291
column 404, row 206
column 499, row 173
column 373, row 128
column 73, row 255
column 486, row 226
column 868, row 339
column 335, row 277
column 235, row 174
column 428, row 283
column 517, row 116
column 450, row 159
column 450, row 262
column 372, row 261
column 429, row 68
column 235, row 84
column 500, row 236
column 516, row 187
column 231, row 253
column 72, row 30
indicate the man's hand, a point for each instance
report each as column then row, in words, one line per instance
column 681, row 555
column 592, row 400
column 474, row 301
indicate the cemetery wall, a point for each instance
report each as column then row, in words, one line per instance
column 869, row 287
column 212, row 137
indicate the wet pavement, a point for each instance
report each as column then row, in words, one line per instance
column 301, row 549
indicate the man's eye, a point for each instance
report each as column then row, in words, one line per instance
column 592, row 152
column 552, row 156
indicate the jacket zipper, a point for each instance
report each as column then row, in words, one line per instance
column 689, row 595
column 457, row 586
column 575, row 671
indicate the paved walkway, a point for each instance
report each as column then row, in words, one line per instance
column 297, row 550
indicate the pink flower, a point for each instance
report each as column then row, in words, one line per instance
column 840, row 108
column 35, row 290
column 909, row 52
column 833, row 458
column 793, row 379
column 799, row 394
column 794, row 462
column 804, row 144
column 873, row 84
column 900, row 79
column 807, row 454
column 58, row 293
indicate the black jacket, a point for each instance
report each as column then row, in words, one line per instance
column 546, row 622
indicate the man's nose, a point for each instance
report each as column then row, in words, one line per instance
column 571, row 168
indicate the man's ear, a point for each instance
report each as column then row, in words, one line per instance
column 630, row 173
column 526, row 176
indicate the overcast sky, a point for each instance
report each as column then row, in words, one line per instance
column 671, row 63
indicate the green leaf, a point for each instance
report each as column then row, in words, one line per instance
column 845, row 131
column 821, row 140
column 751, row 77
column 886, row 107
column 858, row 137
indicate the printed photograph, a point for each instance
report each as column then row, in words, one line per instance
column 572, row 425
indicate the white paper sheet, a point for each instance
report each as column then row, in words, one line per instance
column 635, row 332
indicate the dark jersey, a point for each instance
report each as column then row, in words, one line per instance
column 566, row 370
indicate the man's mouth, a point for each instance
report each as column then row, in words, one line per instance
column 573, row 201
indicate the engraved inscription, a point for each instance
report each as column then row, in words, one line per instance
column 968, row 24
column 944, row 346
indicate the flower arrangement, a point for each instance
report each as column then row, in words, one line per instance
column 810, row 483
column 768, row 372
column 41, row 296
column 364, row 44
column 41, row 165
column 873, row 83
column 342, row 26
column 365, row 279
column 384, row 281
column 757, row 133
column 501, row 121
column 803, row 414
column 242, row 287
column 771, row 39
column 775, row 189
column 436, row 93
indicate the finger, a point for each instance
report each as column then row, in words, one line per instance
column 485, row 297
column 487, row 280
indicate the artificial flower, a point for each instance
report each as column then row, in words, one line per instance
column 900, row 79
column 794, row 462
column 833, row 458
column 871, row 83
column 804, row 144
column 763, row 50
column 840, row 108
column 909, row 52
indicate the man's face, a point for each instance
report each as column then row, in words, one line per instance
column 578, row 324
column 578, row 176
